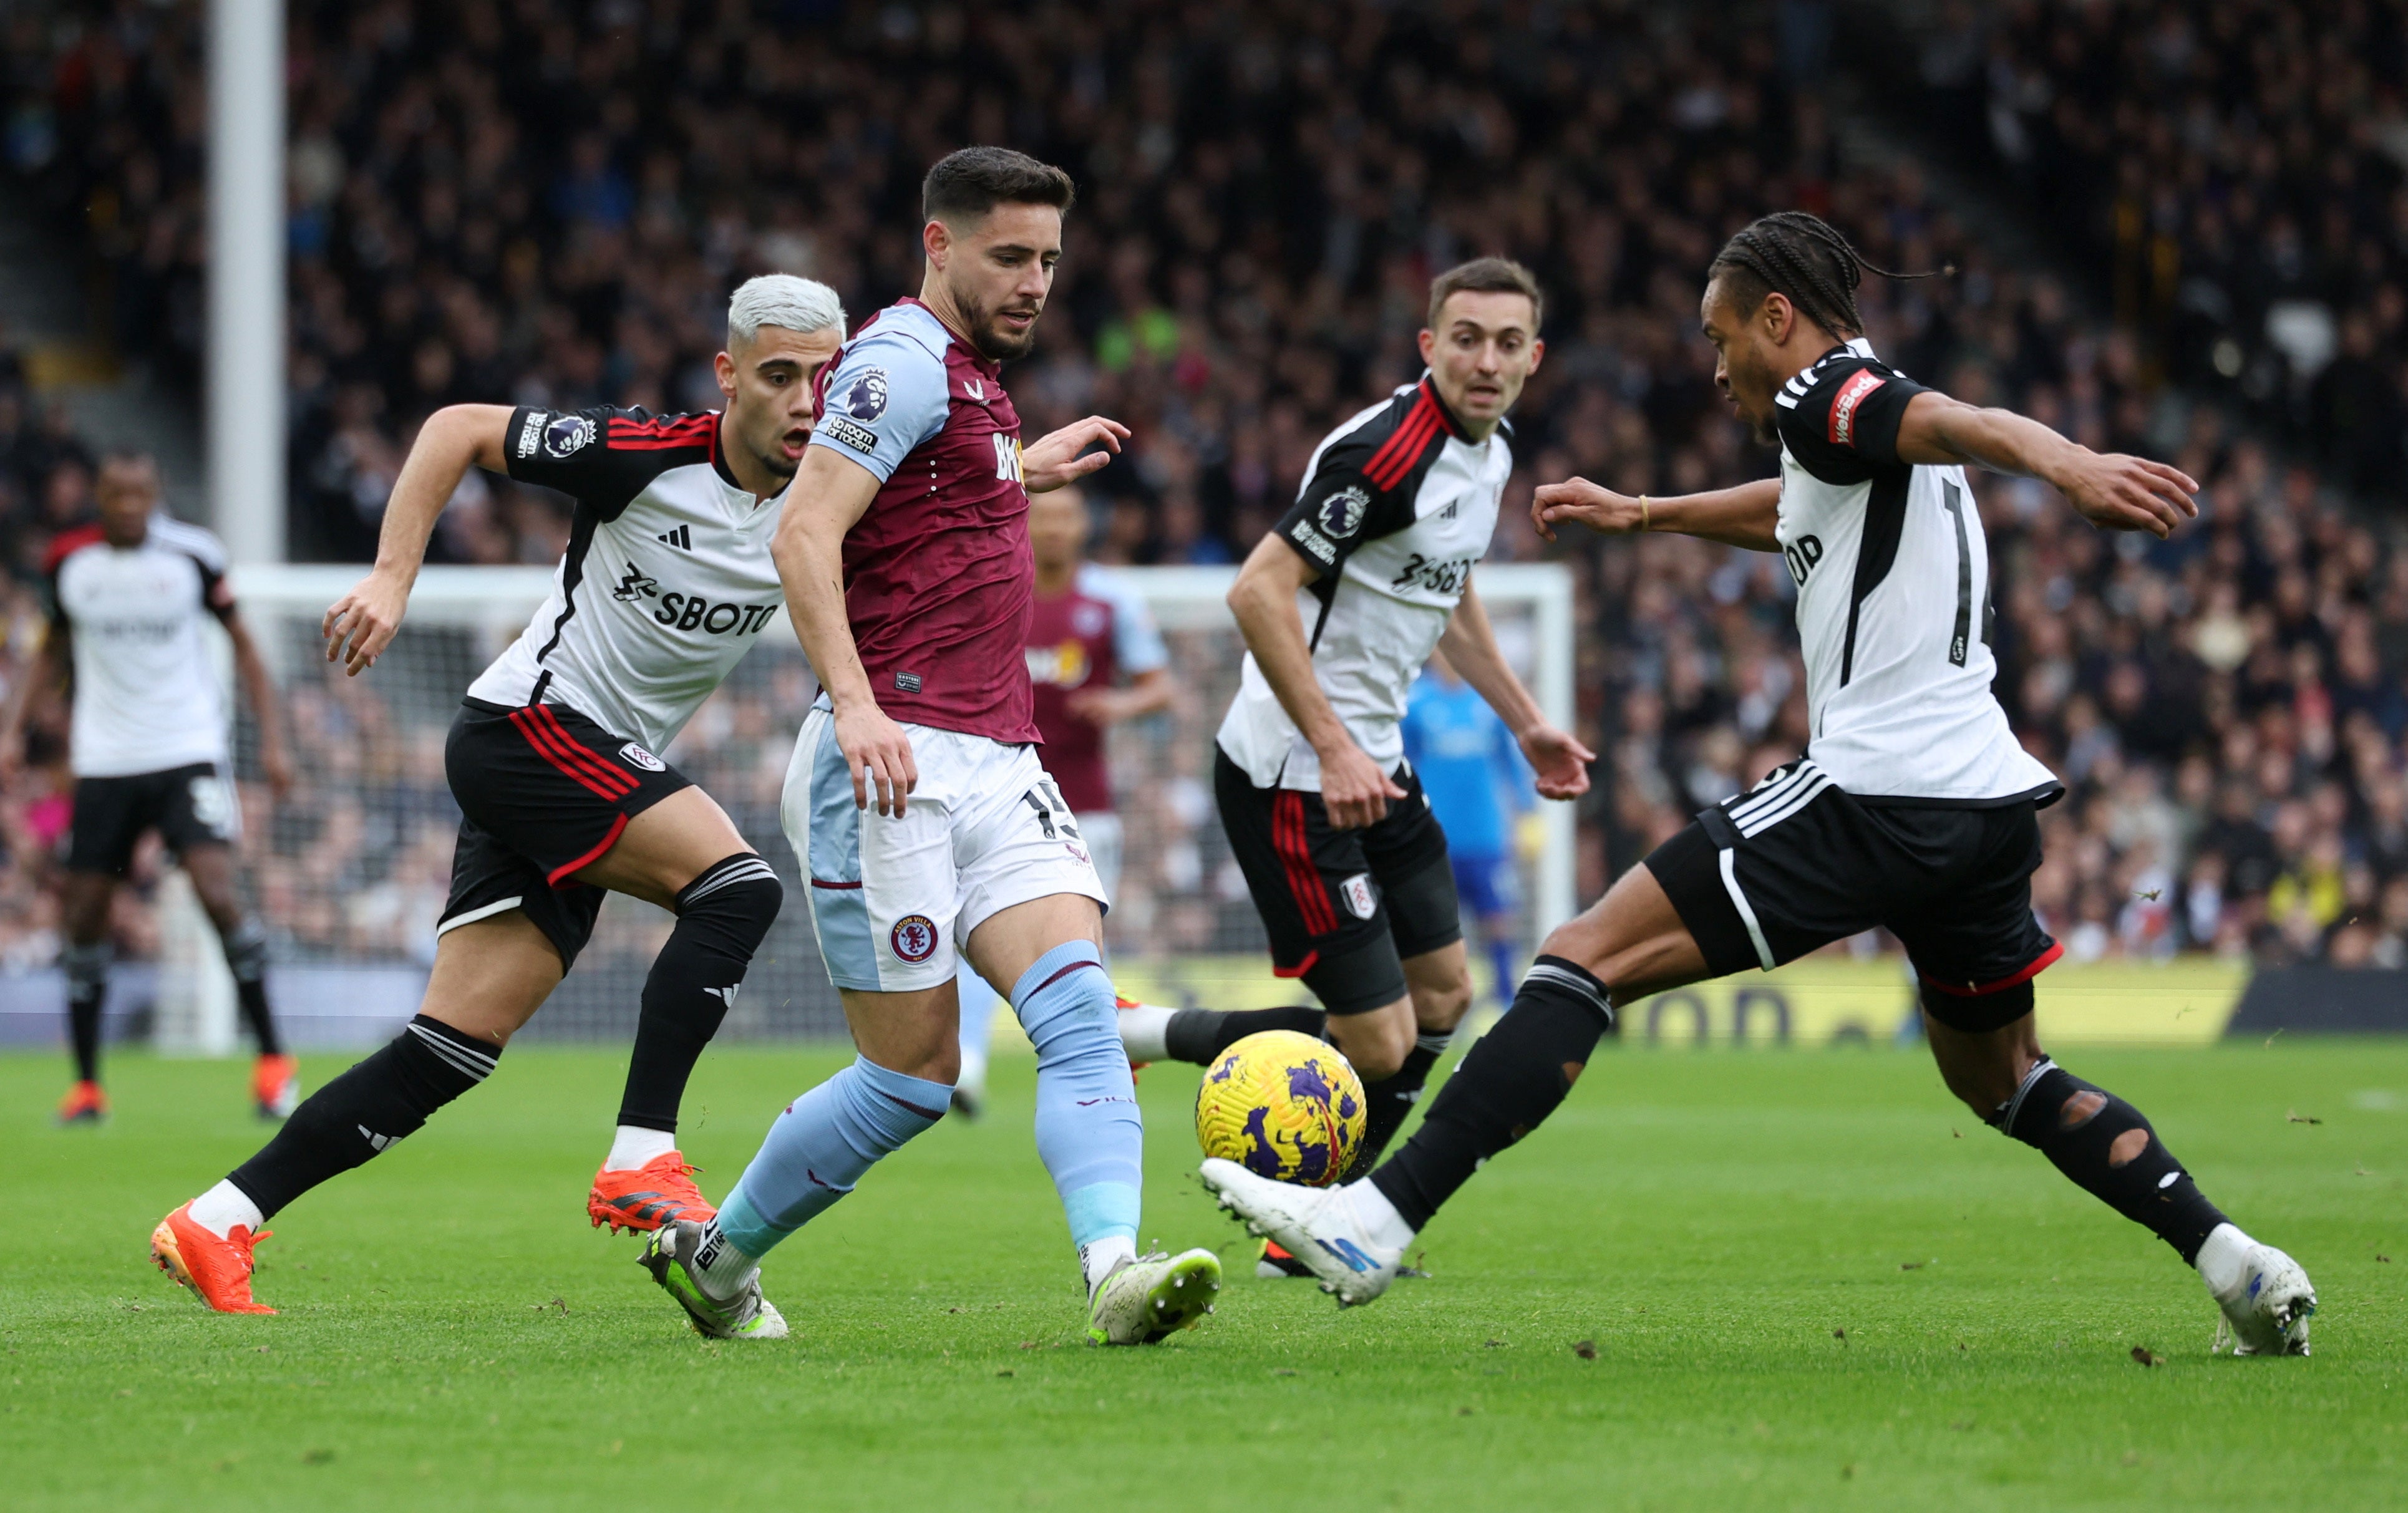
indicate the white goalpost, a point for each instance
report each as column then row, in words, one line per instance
column 350, row 872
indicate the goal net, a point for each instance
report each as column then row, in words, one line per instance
column 351, row 869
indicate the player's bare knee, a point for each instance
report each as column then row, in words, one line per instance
column 1375, row 1043
column 1440, row 1005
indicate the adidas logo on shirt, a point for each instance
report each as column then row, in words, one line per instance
column 682, row 538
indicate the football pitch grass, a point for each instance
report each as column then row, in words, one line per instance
column 1806, row 1277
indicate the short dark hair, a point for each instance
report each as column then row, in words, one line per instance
column 966, row 184
column 1487, row 275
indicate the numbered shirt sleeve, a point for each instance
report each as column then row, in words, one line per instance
column 604, row 456
column 1136, row 644
column 1840, row 420
column 885, row 397
column 1341, row 507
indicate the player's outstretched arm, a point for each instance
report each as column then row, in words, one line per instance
column 1741, row 517
column 2111, row 489
column 1469, row 644
column 251, row 668
column 363, row 623
column 1353, row 788
column 829, row 496
column 1055, row 458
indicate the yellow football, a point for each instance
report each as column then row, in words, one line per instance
column 1283, row 1105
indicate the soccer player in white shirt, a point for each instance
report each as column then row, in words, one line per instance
column 1913, row 808
column 666, row 584
column 148, row 742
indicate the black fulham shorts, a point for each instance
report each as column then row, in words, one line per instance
column 543, row 791
column 1796, row 863
column 188, row 806
column 1343, row 907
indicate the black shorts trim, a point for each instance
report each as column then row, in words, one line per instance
column 191, row 806
column 1798, row 863
column 544, row 793
column 1343, row 908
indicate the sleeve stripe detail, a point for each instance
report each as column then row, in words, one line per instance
column 1390, row 463
column 68, row 545
column 1414, row 419
column 681, row 443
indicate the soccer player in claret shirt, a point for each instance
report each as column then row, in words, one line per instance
column 1087, row 631
column 667, row 583
column 147, row 743
column 1370, row 571
column 916, row 799
column 1913, row 808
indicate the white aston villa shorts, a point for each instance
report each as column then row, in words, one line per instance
column 891, row 900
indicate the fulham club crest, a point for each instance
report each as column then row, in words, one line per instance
column 1356, row 892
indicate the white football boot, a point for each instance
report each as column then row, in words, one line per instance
column 1153, row 1297
column 2265, row 1295
column 669, row 1255
column 1353, row 1254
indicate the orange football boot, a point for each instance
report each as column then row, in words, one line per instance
column 275, row 1086
column 660, row 1192
column 1134, row 1066
column 218, row 1271
column 84, row 1104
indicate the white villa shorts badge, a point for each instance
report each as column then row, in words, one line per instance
column 915, row 938
column 1356, row 891
column 636, row 756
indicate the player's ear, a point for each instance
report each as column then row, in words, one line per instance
column 1538, row 354
column 1427, row 341
column 1779, row 317
column 723, row 368
column 937, row 240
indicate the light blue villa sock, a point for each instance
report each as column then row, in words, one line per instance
column 821, row 1145
column 1088, row 1130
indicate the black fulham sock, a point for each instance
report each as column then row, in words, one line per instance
column 86, row 971
column 2110, row 1153
column 1391, row 1101
column 723, row 916
column 246, row 955
column 1200, row 1035
column 364, row 1111
column 1507, row 1086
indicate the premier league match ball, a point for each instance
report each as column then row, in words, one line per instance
column 1283, row 1105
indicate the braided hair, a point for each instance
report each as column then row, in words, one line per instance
column 1806, row 260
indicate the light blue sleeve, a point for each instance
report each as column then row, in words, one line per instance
column 886, row 397
column 1137, row 645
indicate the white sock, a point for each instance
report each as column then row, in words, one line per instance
column 2223, row 1258
column 1144, row 1030
column 1382, row 1224
column 721, row 1268
column 223, row 1206
column 1098, row 1259
column 633, row 1146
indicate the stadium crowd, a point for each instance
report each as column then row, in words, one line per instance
column 497, row 201
column 2241, row 168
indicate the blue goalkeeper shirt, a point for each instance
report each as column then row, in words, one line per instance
column 1469, row 765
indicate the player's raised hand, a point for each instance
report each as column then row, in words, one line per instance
column 2119, row 493
column 363, row 623
column 1561, row 761
column 1354, row 789
column 1579, row 500
column 1055, row 458
column 879, row 755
